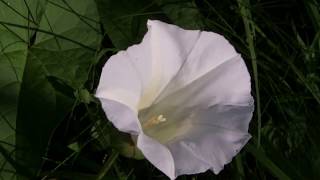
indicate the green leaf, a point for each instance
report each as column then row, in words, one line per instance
column 125, row 21
column 71, row 19
column 41, row 107
column 13, row 45
column 41, row 41
column 11, row 69
column 182, row 13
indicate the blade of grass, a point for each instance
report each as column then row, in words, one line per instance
column 287, row 59
column 313, row 11
column 250, row 34
column 240, row 166
column 265, row 161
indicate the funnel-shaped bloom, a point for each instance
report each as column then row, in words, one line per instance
column 183, row 94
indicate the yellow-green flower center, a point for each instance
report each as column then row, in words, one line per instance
column 155, row 120
column 162, row 125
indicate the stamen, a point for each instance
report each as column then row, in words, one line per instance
column 160, row 117
column 154, row 121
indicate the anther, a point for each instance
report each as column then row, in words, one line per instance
column 154, row 121
column 160, row 117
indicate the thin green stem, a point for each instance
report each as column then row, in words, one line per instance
column 48, row 32
column 107, row 166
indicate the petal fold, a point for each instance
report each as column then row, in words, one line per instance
column 207, row 147
column 160, row 56
column 227, row 84
column 210, row 51
column 121, row 116
column 120, row 81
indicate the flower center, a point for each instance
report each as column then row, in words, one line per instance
column 154, row 120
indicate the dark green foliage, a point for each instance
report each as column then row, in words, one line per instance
column 52, row 52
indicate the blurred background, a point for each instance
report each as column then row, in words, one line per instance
column 52, row 52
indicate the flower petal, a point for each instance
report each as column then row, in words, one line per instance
column 186, row 162
column 209, row 147
column 229, row 117
column 227, row 84
column 210, row 51
column 209, row 138
column 196, row 81
column 121, row 116
column 120, row 81
column 159, row 57
column 157, row 154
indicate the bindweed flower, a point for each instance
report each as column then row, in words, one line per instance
column 183, row 95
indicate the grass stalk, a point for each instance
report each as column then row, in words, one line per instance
column 250, row 34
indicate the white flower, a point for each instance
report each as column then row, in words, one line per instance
column 183, row 94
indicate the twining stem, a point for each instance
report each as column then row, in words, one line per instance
column 250, row 33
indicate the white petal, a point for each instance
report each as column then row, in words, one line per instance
column 179, row 72
column 120, row 81
column 121, row 116
column 227, row 84
column 234, row 118
column 186, row 162
column 209, row 52
column 209, row 147
column 159, row 57
column 157, row 154
column 206, row 139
